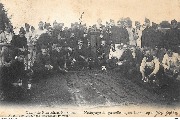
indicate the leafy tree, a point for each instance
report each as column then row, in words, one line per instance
column 4, row 20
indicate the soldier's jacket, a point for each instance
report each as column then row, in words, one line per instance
column 19, row 42
column 139, row 56
column 44, row 40
column 160, row 54
column 12, row 74
column 54, row 54
column 119, row 35
column 127, row 57
column 131, row 33
column 103, row 51
column 55, row 34
column 57, row 58
column 72, row 42
column 151, row 38
column 41, row 61
column 106, row 37
column 80, row 52
column 89, row 53
column 17, row 70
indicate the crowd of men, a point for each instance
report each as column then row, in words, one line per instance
column 52, row 49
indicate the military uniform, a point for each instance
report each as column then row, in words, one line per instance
column 150, row 66
column 128, row 62
column 44, row 40
column 131, row 32
column 42, row 66
column 103, row 54
column 119, row 35
column 172, row 40
column 171, row 63
column 11, row 71
column 80, row 57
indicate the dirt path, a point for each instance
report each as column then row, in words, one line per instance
column 95, row 88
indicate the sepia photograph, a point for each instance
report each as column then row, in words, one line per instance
column 89, row 58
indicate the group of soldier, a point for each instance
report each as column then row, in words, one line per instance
column 51, row 49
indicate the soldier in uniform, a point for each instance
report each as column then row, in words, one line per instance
column 171, row 67
column 12, row 70
column 8, row 34
column 80, row 55
column 138, row 33
column 150, row 66
column 157, row 37
column 20, row 42
column 127, row 60
column 171, row 63
column 58, row 56
column 42, row 66
column 119, row 34
column 172, row 38
column 147, row 34
column 28, row 36
column 131, row 31
column 45, row 39
column 103, row 53
column 40, row 30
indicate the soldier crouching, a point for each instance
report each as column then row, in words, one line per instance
column 103, row 54
column 150, row 67
column 58, row 58
column 80, row 56
column 14, row 82
column 42, row 67
column 171, row 65
column 127, row 61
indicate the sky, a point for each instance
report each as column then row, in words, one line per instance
column 69, row 11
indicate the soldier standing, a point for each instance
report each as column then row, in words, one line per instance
column 138, row 33
column 40, row 30
column 131, row 31
column 45, row 39
column 172, row 38
column 20, row 41
column 147, row 34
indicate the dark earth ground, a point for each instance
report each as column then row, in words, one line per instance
column 98, row 88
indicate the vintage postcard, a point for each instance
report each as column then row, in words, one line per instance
column 89, row 58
